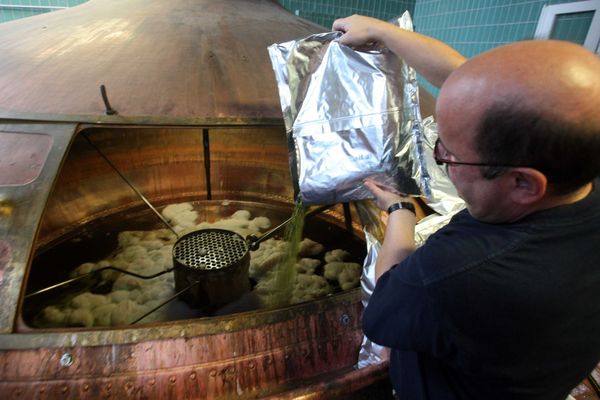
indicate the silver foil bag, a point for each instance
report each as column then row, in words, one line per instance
column 442, row 196
column 348, row 116
column 370, row 353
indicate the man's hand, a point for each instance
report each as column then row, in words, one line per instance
column 428, row 56
column 359, row 31
column 399, row 240
column 384, row 198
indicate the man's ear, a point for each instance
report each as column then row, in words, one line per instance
column 528, row 185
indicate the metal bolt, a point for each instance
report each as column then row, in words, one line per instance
column 345, row 319
column 66, row 360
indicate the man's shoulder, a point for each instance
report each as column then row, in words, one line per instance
column 462, row 245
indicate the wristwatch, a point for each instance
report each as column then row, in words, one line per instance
column 401, row 205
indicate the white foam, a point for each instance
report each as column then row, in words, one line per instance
column 150, row 252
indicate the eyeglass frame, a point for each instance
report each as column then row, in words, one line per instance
column 441, row 161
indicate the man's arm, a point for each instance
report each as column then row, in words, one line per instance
column 399, row 240
column 431, row 58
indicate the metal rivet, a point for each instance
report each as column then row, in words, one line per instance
column 213, row 373
column 172, row 379
column 64, row 389
column 86, row 387
column 152, row 382
column 66, row 360
column 193, row 376
column 345, row 319
column 251, row 365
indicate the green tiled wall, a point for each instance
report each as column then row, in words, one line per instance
column 13, row 9
column 325, row 12
column 470, row 26
column 474, row 26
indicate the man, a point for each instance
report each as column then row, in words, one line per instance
column 503, row 302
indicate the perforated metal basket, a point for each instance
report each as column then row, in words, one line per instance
column 215, row 262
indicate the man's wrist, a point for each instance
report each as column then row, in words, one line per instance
column 402, row 205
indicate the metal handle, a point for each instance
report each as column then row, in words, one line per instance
column 170, row 299
column 95, row 272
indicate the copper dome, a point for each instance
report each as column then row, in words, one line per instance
column 160, row 60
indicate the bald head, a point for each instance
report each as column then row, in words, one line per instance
column 525, row 98
column 545, row 75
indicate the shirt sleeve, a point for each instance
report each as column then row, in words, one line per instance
column 401, row 313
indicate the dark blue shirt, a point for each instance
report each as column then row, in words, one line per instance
column 486, row 311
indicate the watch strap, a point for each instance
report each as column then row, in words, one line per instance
column 401, row 205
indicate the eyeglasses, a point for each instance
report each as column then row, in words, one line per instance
column 440, row 160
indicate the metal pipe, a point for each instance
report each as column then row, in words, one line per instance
column 128, row 182
column 109, row 109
